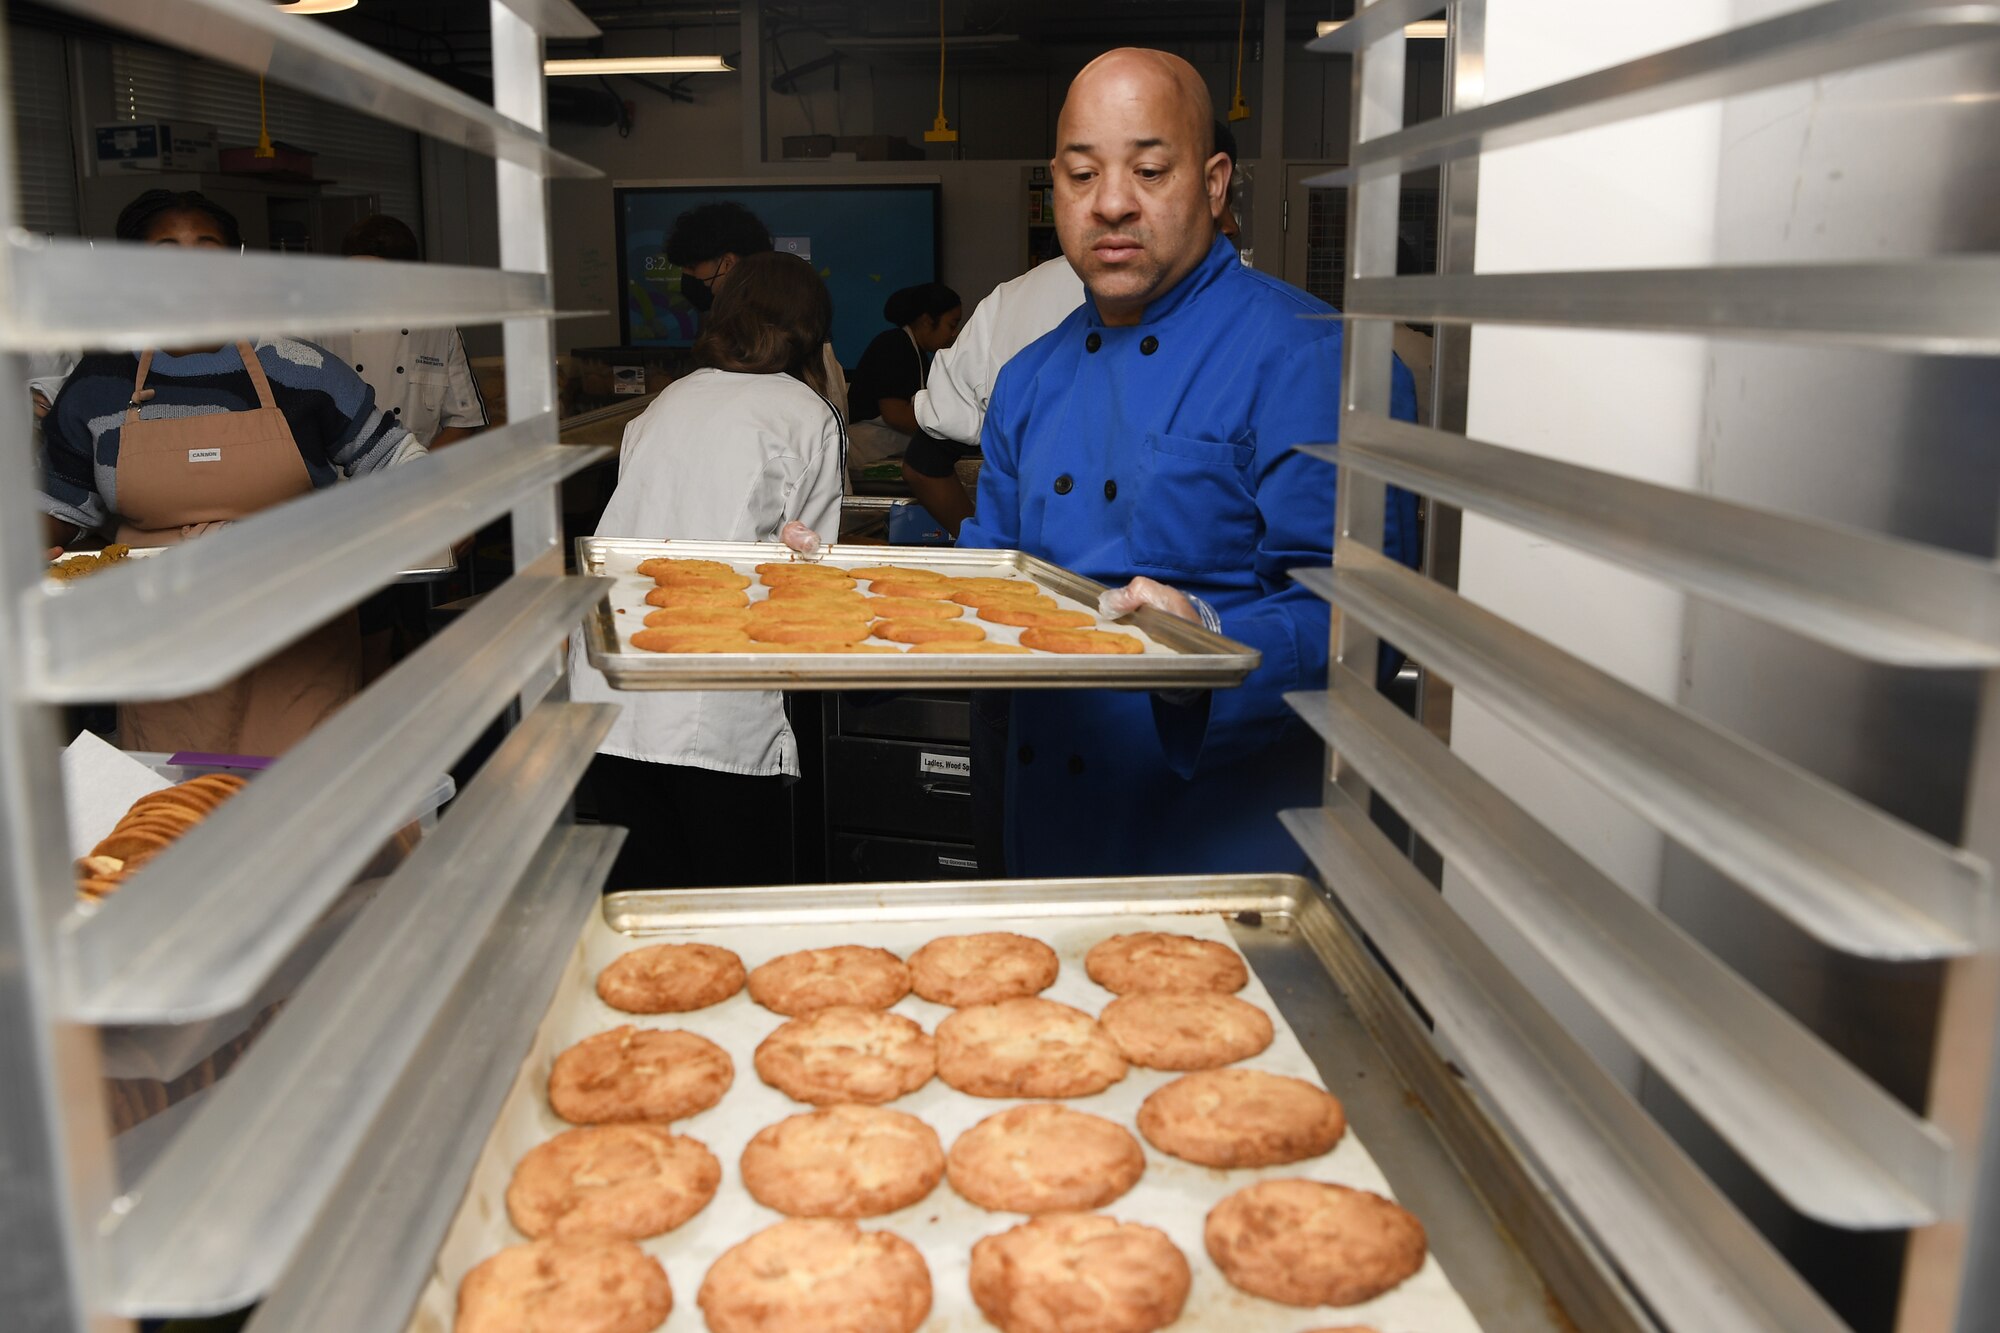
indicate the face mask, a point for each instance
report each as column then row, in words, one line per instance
column 697, row 292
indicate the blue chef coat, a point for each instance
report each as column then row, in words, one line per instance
column 1165, row 449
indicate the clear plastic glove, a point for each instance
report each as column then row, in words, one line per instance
column 801, row 539
column 1115, row 602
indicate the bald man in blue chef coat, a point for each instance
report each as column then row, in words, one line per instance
column 1147, row 440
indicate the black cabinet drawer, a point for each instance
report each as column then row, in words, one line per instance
column 899, row 787
column 860, row 858
column 907, row 715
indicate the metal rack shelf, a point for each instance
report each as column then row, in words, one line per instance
column 1835, row 1145
column 1853, row 876
column 192, row 1240
column 199, row 613
column 455, row 937
column 1808, row 43
column 1832, row 1143
column 1887, row 600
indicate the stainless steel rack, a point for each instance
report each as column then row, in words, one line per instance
column 1823, row 1136
column 461, row 937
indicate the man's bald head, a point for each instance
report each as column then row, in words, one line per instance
column 1138, row 182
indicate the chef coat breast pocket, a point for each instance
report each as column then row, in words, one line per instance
column 1195, row 510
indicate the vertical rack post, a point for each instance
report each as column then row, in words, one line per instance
column 529, row 344
column 56, row 1172
column 1367, row 352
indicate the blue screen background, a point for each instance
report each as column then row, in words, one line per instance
column 866, row 241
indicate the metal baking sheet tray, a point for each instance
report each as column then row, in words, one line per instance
column 429, row 570
column 1178, row 654
column 1271, row 920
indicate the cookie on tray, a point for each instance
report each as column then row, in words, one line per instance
column 922, row 589
column 928, row 631
column 634, row 1073
column 843, row 1161
column 1026, row 1048
column 1305, row 1242
column 692, row 639
column 798, row 983
column 847, row 1054
column 913, row 608
column 621, row 1181
column 683, row 594
column 565, row 1286
column 654, row 566
column 1035, row 617
column 670, row 978
column 1185, row 1029
column 1242, row 1117
column 817, row 1275
column 1044, row 1158
column 1079, row 1273
column 989, row 646
column 981, row 969
column 1156, row 961
column 1084, row 642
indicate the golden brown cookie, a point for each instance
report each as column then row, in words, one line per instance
column 657, row 565
column 1304, row 1242
column 843, row 1161
column 880, row 573
column 1034, row 617
column 1185, row 1029
column 633, row 1073
column 798, row 983
column 1045, row 1158
column 622, row 1181
column 817, row 1275
column 807, row 608
column 1242, row 1117
column 847, row 1054
column 921, row 589
column 980, row 969
column 818, row 647
column 1026, row 1048
column 801, row 569
column 990, row 646
column 681, row 595
column 913, row 608
column 692, row 639
column 928, row 631
column 670, row 978
column 725, row 617
column 565, row 1286
column 808, row 631
column 1079, row 1273
column 796, row 590
column 1155, row 961
column 1090, row 642
column 1021, row 597
column 703, row 581
column 831, row 580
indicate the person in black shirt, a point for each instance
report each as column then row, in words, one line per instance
column 894, row 367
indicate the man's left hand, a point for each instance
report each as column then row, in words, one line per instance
column 1116, row 602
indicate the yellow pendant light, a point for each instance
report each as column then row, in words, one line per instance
column 940, row 130
column 1238, row 108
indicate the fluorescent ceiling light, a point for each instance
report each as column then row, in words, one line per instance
column 1432, row 28
column 313, row 6
column 641, row 65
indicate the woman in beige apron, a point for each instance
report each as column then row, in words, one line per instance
column 178, row 477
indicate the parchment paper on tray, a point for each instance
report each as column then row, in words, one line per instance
column 1177, row 653
column 1173, row 1195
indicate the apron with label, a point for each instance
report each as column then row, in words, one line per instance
column 179, row 476
column 875, row 440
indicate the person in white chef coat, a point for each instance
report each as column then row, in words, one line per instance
column 736, row 450
column 420, row 376
column 951, row 406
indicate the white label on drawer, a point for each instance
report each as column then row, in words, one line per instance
column 945, row 765
column 958, row 863
column 204, row 455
